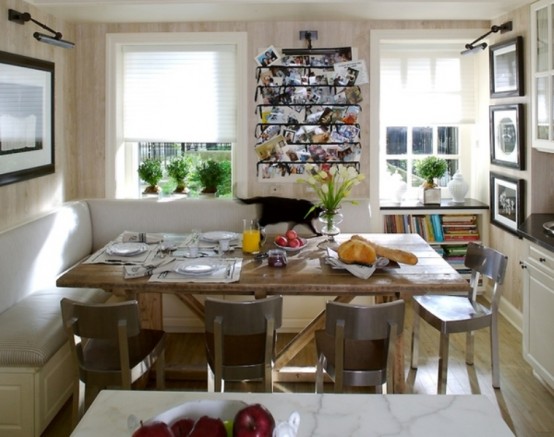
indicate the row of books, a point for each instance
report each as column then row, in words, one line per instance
column 435, row 227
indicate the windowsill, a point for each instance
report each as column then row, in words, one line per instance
column 385, row 204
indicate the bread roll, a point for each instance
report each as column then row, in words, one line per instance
column 357, row 252
column 398, row 255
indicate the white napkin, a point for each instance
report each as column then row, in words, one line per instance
column 141, row 237
column 358, row 270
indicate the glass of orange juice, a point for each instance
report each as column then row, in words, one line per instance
column 251, row 238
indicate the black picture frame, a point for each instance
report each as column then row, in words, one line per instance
column 506, row 202
column 506, row 127
column 26, row 118
column 506, row 68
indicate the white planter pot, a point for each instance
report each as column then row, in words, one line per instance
column 430, row 196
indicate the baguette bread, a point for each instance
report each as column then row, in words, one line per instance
column 398, row 255
column 356, row 252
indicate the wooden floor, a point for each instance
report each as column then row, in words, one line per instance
column 525, row 404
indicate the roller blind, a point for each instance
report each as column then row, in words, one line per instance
column 434, row 84
column 179, row 93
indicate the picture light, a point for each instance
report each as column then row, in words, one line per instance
column 56, row 40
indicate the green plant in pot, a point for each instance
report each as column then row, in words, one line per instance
column 209, row 174
column 150, row 171
column 178, row 169
column 429, row 169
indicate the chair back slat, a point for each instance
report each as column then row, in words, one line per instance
column 487, row 261
column 365, row 322
column 102, row 320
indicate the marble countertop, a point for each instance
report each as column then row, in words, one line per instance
column 532, row 230
column 320, row 414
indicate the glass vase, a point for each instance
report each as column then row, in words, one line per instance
column 330, row 218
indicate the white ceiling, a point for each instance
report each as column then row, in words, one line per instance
column 121, row 11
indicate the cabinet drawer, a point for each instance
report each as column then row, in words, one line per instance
column 541, row 257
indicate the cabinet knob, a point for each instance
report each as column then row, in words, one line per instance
column 542, row 260
column 522, row 265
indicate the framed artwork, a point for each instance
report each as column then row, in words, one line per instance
column 506, row 202
column 506, row 133
column 506, row 68
column 26, row 118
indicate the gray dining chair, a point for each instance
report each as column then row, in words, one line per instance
column 109, row 348
column 456, row 314
column 358, row 345
column 240, row 340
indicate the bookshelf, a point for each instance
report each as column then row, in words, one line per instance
column 447, row 227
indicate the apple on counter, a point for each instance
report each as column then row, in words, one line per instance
column 154, row 429
column 254, row 420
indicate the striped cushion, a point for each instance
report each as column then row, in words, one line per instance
column 31, row 331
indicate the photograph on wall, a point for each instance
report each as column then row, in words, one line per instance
column 267, row 57
column 351, row 73
column 506, row 133
column 506, row 202
column 506, row 68
column 271, row 150
column 26, row 118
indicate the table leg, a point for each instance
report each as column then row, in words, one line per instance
column 151, row 309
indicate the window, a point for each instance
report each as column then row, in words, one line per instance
column 427, row 107
column 172, row 94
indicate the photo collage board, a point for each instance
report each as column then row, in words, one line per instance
column 308, row 105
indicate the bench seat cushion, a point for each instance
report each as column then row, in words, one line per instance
column 31, row 331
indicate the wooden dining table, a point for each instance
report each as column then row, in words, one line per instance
column 306, row 274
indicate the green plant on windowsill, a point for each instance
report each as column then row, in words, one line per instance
column 209, row 174
column 429, row 169
column 179, row 169
column 150, row 171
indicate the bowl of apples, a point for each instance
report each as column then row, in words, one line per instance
column 290, row 241
column 212, row 418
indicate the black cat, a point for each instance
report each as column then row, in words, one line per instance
column 283, row 209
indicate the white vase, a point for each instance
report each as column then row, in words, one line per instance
column 398, row 188
column 458, row 188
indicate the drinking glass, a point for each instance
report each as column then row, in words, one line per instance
column 251, row 238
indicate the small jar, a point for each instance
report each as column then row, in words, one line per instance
column 276, row 258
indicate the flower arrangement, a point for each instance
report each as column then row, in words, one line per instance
column 332, row 185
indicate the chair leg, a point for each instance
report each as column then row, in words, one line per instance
column 443, row 364
column 495, row 354
column 211, row 387
column 160, row 371
column 268, row 379
column 321, row 362
column 470, row 342
column 415, row 342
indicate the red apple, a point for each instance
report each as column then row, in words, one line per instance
column 281, row 240
column 182, row 427
column 291, row 234
column 295, row 243
column 253, row 421
column 208, row 427
column 154, row 429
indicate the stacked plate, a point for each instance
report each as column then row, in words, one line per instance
column 197, row 267
column 215, row 236
column 127, row 249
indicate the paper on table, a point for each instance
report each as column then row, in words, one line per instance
column 358, row 270
column 142, row 237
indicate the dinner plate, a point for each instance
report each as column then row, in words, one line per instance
column 225, row 410
column 215, row 236
column 196, row 268
column 126, row 249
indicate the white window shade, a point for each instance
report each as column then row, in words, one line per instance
column 179, row 93
column 422, row 85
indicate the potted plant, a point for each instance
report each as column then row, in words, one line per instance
column 430, row 169
column 150, row 171
column 178, row 169
column 209, row 174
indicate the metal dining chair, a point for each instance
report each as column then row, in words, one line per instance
column 358, row 345
column 240, row 340
column 109, row 348
column 455, row 314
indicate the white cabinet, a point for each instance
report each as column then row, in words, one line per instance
column 538, row 307
column 542, row 68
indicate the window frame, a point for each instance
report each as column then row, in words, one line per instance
column 121, row 160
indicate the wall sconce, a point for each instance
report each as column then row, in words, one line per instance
column 56, row 40
column 472, row 48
